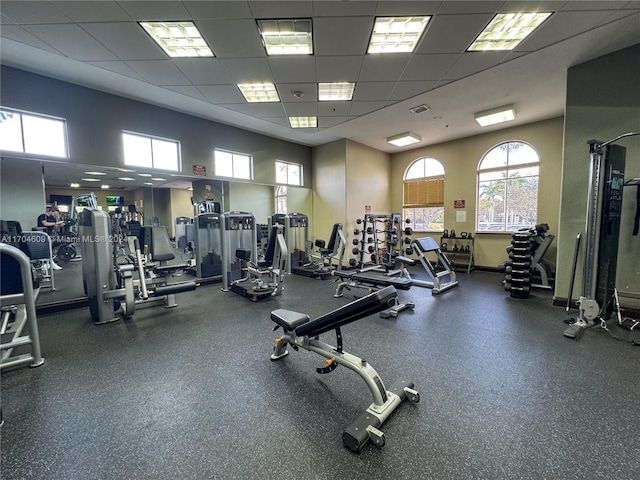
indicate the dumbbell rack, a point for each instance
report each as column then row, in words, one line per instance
column 519, row 266
column 380, row 235
column 450, row 246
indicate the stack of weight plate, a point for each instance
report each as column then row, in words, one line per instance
column 518, row 267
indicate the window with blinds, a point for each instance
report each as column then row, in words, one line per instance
column 427, row 192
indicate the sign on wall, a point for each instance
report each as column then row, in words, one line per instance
column 200, row 170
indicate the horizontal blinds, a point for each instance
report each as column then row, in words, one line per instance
column 426, row 192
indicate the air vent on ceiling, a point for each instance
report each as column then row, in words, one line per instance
column 420, row 109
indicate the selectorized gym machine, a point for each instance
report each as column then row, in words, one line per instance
column 207, row 239
column 602, row 232
column 110, row 286
column 322, row 264
column 301, row 332
column 295, row 235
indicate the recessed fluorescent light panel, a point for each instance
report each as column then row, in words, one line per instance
column 404, row 139
column 90, row 179
column 507, row 30
column 259, row 92
column 126, row 179
column 335, row 91
column 396, row 34
column 286, row 37
column 95, row 173
column 303, row 122
column 178, row 39
column 495, row 115
column 104, row 187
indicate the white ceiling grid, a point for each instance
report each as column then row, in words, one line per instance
column 100, row 45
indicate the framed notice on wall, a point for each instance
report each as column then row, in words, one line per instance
column 458, row 204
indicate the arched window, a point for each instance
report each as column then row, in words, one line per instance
column 281, row 199
column 423, row 195
column 508, row 188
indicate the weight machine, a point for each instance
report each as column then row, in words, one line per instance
column 110, row 286
column 602, row 232
column 295, row 235
column 322, row 264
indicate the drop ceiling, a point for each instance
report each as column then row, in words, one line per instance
column 99, row 44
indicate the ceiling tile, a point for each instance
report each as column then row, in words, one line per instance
column 591, row 5
column 469, row 7
column 334, row 109
column 118, row 67
column 362, row 108
column 232, row 38
column 404, row 90
column 155, row 11
column 428, row 67
column 309, row 92
column 294, row 68
column 218, row 9
column 159, row 72
column 474, row 62
column 328, row 122
column 377, row 91
column 238, row 107
column 222, row 94
column 452, row 33
column 322, row 8
column 6, row 20
column 262, row 110
column 338, row 69
column 203, row 71
column 33, row 12
column 188, row 91
column 560, row 26
column 19, row 34
column 247, row 70
column 286, row 9
column 71, row 41
column 381, row 67
column 101, row 11
column 396, row 8
column 511, row 6
column 127, row 40
column 309, row 109
column 341, row 36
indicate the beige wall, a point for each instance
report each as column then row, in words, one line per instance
column 460, row 159
column 180, row 206
column 256, row 199
column 330, row 188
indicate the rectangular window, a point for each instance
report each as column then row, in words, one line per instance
column 234, row 165
column 33, row 133
column 150, row 152
column 288, row 173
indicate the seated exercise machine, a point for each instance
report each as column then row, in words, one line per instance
column 110, row 286
column 17, row 298
column 322, row 264
column 301, row 332
column 372, row 280
column 274, row 268
column 442, row 279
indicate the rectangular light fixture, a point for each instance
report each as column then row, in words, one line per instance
column 404, row 139
column 495, row 115
column 336, row 91
column 506, row 30
column 286, row 37
column 396, row 34
column 178, row 39
column 303, row 122
column 259, row 92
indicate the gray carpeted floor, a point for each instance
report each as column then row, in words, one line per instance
column 191, row 393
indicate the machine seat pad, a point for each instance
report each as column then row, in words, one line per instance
column 288, row 319
column 427, row 244
column 161, row 249
column 360, row 308
column 405, row 260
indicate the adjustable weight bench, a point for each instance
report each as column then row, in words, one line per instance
column 302, row 332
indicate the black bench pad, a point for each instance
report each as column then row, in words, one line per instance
column 360, row 308
column 381, row 279
column 288, row 319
